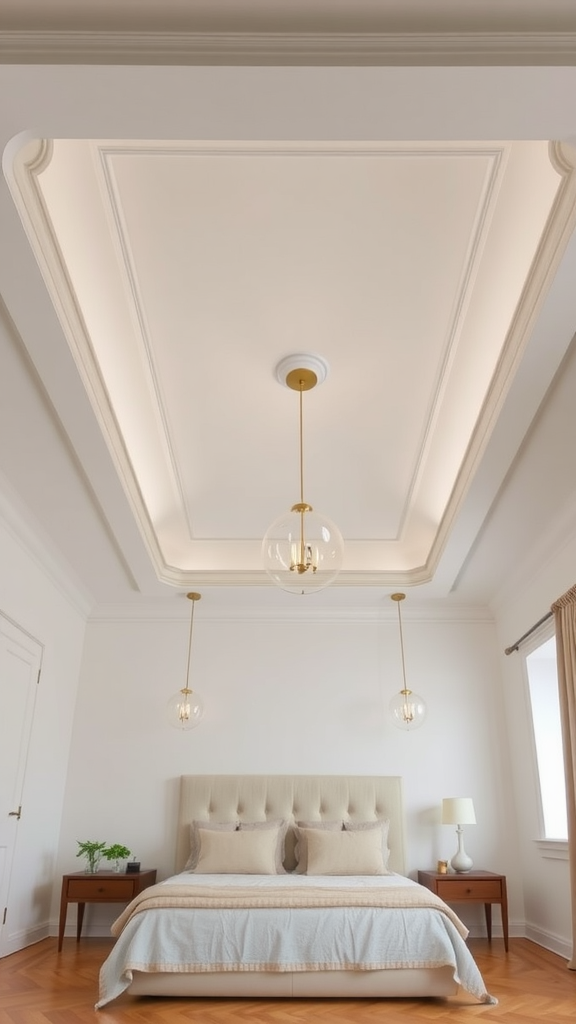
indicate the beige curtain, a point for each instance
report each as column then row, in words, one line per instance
column 565, row 619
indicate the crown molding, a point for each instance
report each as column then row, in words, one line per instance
column 378, row 611
column 288, row 48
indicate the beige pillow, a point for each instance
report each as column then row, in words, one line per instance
column 345, row 853
column 301, row 847
column 281, row 826
column 214, row 826
column 237, row 853
column 382, row 823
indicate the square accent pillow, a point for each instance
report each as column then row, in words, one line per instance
column 275, row 823
column 301, row 845
column 381, row 823
column 247, row 852
column 345, row 853
column 214, row 826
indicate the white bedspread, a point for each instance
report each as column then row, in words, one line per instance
column 272, row 939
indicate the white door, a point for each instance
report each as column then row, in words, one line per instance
column 20, row 658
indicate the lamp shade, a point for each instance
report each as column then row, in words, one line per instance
column 458, row 810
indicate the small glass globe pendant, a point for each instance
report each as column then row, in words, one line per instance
column 302, row 551
column 184, row 709
column 407, row 710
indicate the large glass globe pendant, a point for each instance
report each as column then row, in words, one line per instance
column 302, row 551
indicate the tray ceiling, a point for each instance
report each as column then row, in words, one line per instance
column 170, row 233
column 183, row 272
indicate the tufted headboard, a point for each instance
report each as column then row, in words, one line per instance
column 293, row 797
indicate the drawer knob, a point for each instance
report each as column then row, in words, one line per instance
column 468, row 891
column 100, row 888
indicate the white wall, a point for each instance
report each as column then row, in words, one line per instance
column 547, row 570
column 290, row 695
column 546, row 878
column 32, row 597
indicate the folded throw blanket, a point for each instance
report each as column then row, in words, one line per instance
column 229, row 897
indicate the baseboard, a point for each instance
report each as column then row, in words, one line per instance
column 555, row 943
column 26, row 937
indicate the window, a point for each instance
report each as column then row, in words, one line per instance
column 545, row 706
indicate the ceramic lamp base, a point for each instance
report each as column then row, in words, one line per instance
column 461, row 862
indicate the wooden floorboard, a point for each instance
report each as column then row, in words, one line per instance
column 40, row 986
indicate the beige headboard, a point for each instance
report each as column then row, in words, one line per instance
column 293, row 797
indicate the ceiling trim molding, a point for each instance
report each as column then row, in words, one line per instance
column 259, row 578
column 292, row 48
column 555, row 238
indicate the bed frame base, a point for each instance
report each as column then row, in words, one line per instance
column 414, row 983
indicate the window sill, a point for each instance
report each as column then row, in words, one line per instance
column 555, row 849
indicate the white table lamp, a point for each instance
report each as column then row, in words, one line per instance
column 459, row 810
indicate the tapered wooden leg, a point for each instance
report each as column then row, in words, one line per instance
column 79, row 920
column 62, row 919
column 488, row 912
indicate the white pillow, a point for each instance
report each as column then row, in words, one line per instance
column 281, row 827
column 247, row 852
column 345, row 853
column 215, row 826
column 381, row 823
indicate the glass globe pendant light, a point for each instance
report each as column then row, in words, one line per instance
column 185, row 708
column 407, row 709
column 302, row 551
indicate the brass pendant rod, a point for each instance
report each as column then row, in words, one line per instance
column 402, row 647
column 193, row 598
column 398, row 598
column 302, row 551
column 301, row 448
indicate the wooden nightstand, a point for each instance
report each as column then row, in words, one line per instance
column 471, row 887
column 102, row 887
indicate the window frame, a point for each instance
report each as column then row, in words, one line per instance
column 549, row 847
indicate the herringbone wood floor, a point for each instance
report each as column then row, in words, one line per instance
column 39, row 986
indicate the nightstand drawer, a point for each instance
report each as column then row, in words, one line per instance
column 100, row 889
column 472, row 889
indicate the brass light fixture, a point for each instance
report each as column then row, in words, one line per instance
column 407, row 709
column 185, row 708
column 302, row 551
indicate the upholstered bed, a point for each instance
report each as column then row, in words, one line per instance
column 289, row 886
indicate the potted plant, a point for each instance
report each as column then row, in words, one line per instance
column 93, row 851
column 116, row 852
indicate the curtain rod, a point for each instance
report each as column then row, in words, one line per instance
column 515, row 646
